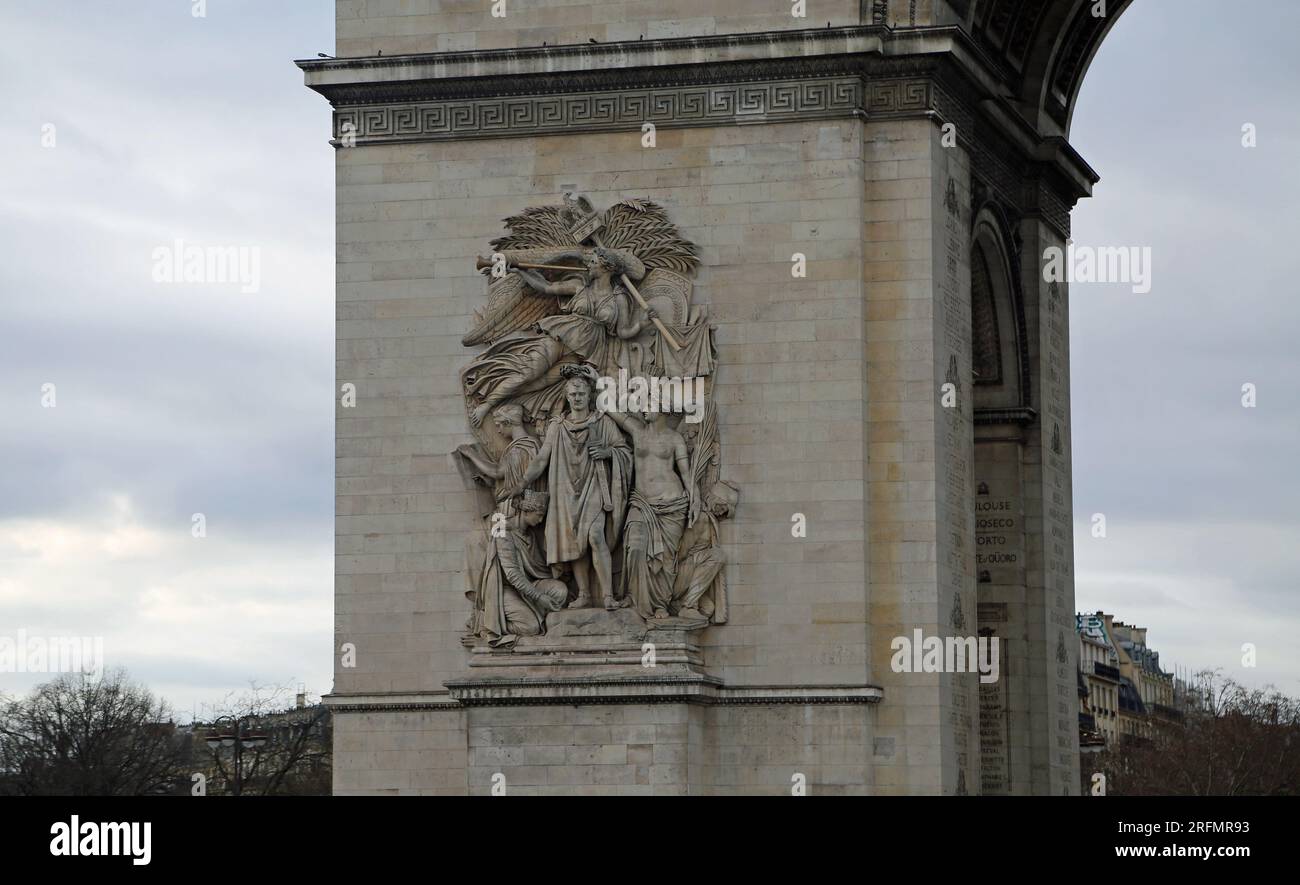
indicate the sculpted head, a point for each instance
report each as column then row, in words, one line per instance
column 605, row 261
column 579, row 387
column 722, row 499
column 508, row 416
column 577, row 393
column 656, row 418
column 532, row 507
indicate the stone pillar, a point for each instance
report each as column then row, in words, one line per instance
column 849, row 399
column 920, row 458
column 1053, row 650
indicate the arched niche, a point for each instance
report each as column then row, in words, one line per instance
column 999, row 353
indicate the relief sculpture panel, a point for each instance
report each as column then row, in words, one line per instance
column 595, row 453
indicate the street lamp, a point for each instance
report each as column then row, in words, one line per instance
column 239, row 737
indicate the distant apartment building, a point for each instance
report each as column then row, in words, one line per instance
column 1099, row 668
column 1150, row 691
column 1128, row 695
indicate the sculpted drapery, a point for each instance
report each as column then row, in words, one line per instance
column 575, row 297
column 583, row 500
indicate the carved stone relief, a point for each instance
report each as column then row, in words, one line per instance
column 596, row 446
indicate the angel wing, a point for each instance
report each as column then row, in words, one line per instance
column 538, row 227
column 512, row 306
column 643, row 228
column 640, row 226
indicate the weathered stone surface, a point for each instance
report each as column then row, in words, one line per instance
column 622, row 623
column 829, row 145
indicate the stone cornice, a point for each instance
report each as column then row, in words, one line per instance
column 870, row 53
column 333, row 77
column 390, row 701
column 695, row 689
column 869, row 72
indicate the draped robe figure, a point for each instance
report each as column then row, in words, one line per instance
column 584, row 309
column 507, row 472
column 589, row 472
column 516, row 588
column 661, row 504
column 593, row 326
column 700, row 587
column 573, row 295
column 580, row 500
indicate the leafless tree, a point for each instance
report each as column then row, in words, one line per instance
column 294, row 757
column 84, row 736
column 1232, row 741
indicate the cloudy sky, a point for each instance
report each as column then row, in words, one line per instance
column 170, row 400
column 1200, row 494
column 180, row 399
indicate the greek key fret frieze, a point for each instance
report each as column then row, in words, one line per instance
column 677, row 106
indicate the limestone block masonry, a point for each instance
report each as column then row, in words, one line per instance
column 840, row 238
